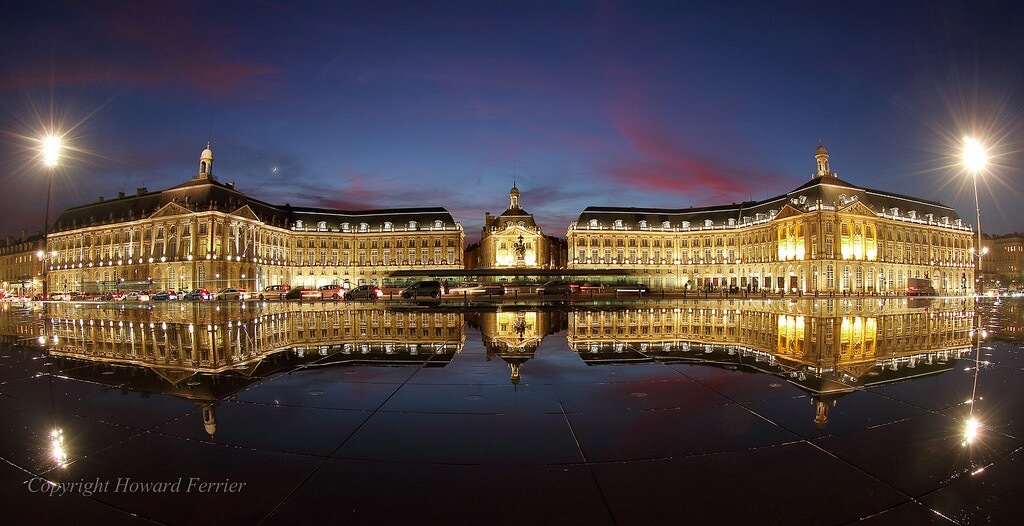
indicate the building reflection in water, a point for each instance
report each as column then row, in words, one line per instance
column 205, row 354
column 515, row 335
column 827, row 347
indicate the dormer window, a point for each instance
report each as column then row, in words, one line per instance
column 618, row 223
column 363, row 227
column 666, row 225
column 945, row 220
column 438, row 224
column 322, row 225
column 685, row 224
column 593, row 223
column 930, row 217
column 643, row 224
column 894, row 211
column 412, row 225
column 912, row 214
column 298, row 224
column 708, row 223
column 345, row 227
column 732, row 221
column 388, row 226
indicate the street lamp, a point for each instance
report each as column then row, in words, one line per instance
column 974, row 159
column 51, row 153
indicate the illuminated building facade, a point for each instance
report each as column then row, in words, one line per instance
column 826, row 236
column 1004, row 262
column 20, row 266
column 207, row 234
column 514, row 240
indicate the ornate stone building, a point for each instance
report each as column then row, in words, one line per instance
column 206, row 234
column 21, row 269
column 827, row 235
column 514, row 240
column 1004, row 262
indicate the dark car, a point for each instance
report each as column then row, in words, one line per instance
column 164, row 295
column 431, row 289
column 557, row 287
column 303, row 293
column 364, row 292
column 198, row 295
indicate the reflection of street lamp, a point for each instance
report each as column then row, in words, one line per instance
column 51, row 153
column 974, row 160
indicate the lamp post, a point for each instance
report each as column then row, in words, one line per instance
column 974, row 159
column 51, row 153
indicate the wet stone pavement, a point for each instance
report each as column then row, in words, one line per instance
column 696, row 412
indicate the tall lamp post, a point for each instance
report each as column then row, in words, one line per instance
column 51, row 153
column 974, row 159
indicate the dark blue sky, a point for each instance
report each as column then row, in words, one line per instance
column 384, row 104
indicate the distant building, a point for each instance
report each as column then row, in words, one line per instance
column 1004, row 261
column 21, row 268
column 827, row 235
column 206, row 234
column 513, row 240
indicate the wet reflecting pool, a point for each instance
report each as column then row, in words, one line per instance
column 806, row 411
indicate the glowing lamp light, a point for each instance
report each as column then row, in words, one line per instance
column 51, row 150
column 974, row 155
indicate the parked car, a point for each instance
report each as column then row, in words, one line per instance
column 274, row 292
column 591, row 287
column 365, row 292
column 231, row 293
column 164, row 295
column 333, row 292
column 60, row 296
column 303, row 293
column 432, row 289
column 135, row 296
column 558, row 287
column 639, row 288
column 198, row 295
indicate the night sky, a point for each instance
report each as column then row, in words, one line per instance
column 359, row 105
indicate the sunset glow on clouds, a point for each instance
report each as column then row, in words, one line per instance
column 404, row 104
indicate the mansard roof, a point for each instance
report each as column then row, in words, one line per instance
column 198, row 195
column 830, row 192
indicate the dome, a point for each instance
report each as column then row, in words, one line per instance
column 820, row 150
column 514, row 191
column 207, row 153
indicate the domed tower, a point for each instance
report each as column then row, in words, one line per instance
column 513, row 197
column 206, row 164
column 821, row 157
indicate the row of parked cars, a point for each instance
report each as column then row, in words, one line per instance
column 420, row 289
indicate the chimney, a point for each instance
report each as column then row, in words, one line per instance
column 101, row 198
column 120, row 195
column 230, row 184
column 140, row 191
column 24, row 234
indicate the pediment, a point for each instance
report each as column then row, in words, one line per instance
column 170, row 210
column 858, row 208
column 787, row 212
column 246, row 212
